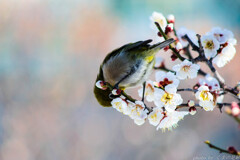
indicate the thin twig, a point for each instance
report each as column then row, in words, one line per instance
column 188, row 53
column 220, row 149
column 170, row 46
column 185, row 105
column 187, row 89
column 201, row 51
column 164, row 69
column 194, row 47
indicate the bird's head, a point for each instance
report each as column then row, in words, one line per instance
column 102, row 96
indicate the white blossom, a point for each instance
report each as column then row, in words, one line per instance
column 191, row 34
column 222, row 35
column 207, row 105
column 203, row 94
column 119, row 104
column 149, row 91
column 186, row 69
column 139, row 113
column 160, row 19
column 164, row 79
column 155, row 116
column 225, row 56
column 167, row 98
column 210, row 45
column 171, row 119
column 205, row 97
column 211, row 82
column 129, row 108
column 214, row 88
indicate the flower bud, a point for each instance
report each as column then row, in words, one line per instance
column 232, row 150
column 166, row 48
column 192, row 110
column 235, row 109
column 116, row 92
column 159, row 34
column 191, row 103
column 169, row 28
column 170, row 18
column 173, row 57
column 101, row 85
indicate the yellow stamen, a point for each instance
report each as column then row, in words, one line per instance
column 209, row 45
column 186, row 68
column 166, row 98
column 204, row 95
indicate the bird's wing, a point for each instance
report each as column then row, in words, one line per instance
column 138, row 44
column 128, row 47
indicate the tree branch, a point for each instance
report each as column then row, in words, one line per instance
column 187, row 89
column 220, row 149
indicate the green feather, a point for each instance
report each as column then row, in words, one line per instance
column 102, row 96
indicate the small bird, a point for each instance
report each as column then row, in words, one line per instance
column 127, row 66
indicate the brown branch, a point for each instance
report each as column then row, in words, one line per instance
column 220, row 149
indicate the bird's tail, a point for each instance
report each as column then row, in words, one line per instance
column 163, row 44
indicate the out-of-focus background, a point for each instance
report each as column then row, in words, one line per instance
column 50, row 52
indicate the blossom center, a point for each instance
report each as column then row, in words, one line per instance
column 166, row 98
column 154, row 117
column 209, row 45
column 119, row 105
column 186, row 68
column 204, row 95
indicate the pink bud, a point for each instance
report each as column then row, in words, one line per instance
column 170, row 18
column 159, row 34
column 173, row 57
column 235, row 109
column 192, row 110
column 169, row 28
column 101, row 85
column 232, row 150
column 116, row 91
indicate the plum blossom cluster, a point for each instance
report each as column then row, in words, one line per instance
column 135, row 111
column 216, row 47
column 219, row 44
